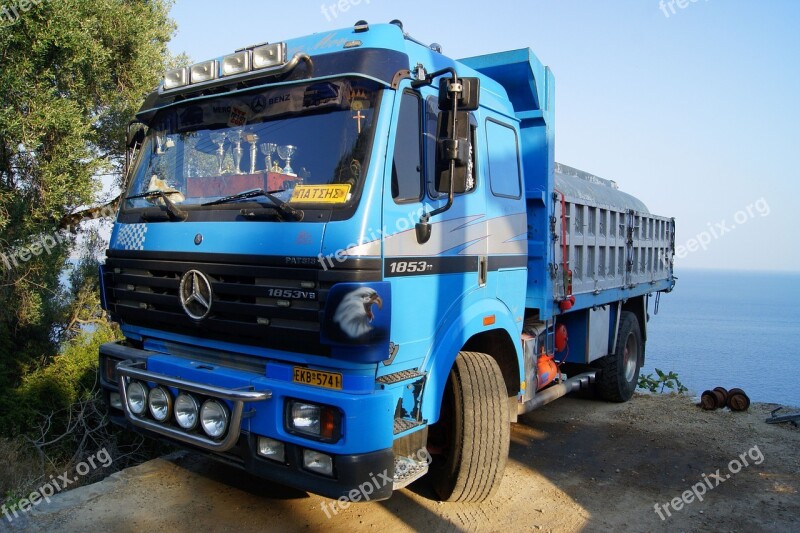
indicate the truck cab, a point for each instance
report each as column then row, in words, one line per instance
column 346, row 260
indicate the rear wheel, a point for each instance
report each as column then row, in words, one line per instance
column 619, row 372
column 469, row 443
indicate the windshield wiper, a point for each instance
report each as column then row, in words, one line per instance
column 174, row 212
column 283, row 207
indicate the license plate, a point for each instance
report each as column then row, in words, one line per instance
column 318, row 378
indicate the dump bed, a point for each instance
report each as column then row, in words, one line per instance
column 613, row 246
column 611, row 240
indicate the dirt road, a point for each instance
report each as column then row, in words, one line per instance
column 575, row 465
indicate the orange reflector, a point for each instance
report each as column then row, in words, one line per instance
column 488, row 320
column 328, row 427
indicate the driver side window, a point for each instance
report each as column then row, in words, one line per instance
column 407, row 160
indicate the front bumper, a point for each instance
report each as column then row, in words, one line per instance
column 128, row 370
column 239, row 446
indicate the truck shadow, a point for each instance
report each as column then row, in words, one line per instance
column 225, row 475
column 574, row 465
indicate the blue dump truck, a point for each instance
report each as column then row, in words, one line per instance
column 346, row 261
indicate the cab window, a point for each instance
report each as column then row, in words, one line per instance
column 503, row 156
column 407, row 160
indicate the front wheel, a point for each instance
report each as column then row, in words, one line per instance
column 619, row 372
column 469, row 443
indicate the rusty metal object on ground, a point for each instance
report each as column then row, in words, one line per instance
column 738, row 400
column 712, row 399
column 724, row 392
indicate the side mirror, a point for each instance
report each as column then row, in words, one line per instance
column 468, row 96
column 456, row 148
column 133, row 138
column 136, row 131
column 454, row 168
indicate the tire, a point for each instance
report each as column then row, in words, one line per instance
column 619, row 372
column 469, row 443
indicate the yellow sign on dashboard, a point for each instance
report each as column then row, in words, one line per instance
column 320, row 194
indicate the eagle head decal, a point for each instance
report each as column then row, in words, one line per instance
column 355, row 312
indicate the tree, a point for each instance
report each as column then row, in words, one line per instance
column 73, row 74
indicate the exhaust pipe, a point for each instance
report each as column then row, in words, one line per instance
column 556, row 391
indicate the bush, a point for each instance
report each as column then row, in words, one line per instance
column 59, row 419
column 19, row 467
column 69, row 378
column 661, row 380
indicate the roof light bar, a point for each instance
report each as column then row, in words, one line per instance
column 235, row 63
column 205, row 71
column 271, row 55
column 175, row 78
column 250, row 60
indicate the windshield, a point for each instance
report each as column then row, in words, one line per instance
column 308, row 145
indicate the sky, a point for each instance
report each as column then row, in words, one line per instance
column 692, row 109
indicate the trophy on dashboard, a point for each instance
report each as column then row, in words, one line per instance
column 236, row 139
column 252, row 139
column 218, row 138
column 268, row 149
column 161, row 137
column 286, row 152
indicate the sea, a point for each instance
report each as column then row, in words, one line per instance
column 721, row 328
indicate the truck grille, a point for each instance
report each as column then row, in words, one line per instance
column 264, row 301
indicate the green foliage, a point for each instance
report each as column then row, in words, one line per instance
column 19, row 468
column 73, row 74
column 70, row 376
column 66, row 379
column 661, row 381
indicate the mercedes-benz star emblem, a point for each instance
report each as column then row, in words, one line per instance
column 195, row 294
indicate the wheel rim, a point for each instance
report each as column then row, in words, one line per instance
column 630, row 357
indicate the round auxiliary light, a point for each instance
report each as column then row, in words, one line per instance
column 187, row 411
column 214, row 418
column 137, row 398
column 160, row 403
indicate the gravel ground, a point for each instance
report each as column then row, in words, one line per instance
column 575, row 465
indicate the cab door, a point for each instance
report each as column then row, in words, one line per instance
column 432, row 279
